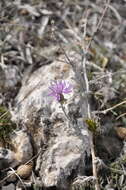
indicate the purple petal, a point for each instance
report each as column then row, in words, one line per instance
column 68, row 89
column 52, row 89
column 58, row 88
column 58, row 97
column 51, row 94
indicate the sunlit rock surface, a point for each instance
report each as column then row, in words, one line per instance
column 65, row 138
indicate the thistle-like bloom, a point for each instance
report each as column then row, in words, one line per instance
column 58, row 88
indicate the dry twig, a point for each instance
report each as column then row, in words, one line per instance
column 111, row 108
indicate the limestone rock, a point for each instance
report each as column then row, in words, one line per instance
column 62, row 158
column 7, row 158
column 11, row 186
column 22, row 146
column 66, row 140
column 9, row 77
column 21, row 153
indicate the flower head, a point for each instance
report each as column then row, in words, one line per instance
column 58, row 88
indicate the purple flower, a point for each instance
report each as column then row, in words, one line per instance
column 58, row 88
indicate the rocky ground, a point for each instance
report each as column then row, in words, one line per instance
column 45, row 143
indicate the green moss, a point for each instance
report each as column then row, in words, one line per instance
column 92, row 125
column 6, row 125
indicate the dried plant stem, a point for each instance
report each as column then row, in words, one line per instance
column 120, row 116
column 86, row 84
column 99, row 24
column 111, row 108
column 64, row 111
column 4, row 114
column 94, row 168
